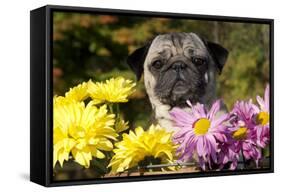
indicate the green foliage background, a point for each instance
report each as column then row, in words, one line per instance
column 88, row 46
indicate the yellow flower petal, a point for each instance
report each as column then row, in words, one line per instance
column 121, row 126
column 82, row 157
column 97, row 153
column 114, row 90
column 105, row 145
column 78, row 93
column 61, row 150
column 81, row 130
column 156, row 142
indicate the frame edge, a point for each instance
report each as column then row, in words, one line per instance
column 38, row 56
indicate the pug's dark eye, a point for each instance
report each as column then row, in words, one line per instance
column 157, row 64
column 198, row 61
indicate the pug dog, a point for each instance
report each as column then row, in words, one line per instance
column 178, row 67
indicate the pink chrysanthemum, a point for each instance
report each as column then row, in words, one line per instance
column 243, row 132
column 261, row 119
column 227, row 152
column 199, row 131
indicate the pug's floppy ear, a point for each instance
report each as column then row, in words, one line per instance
column 136, row 60
column 218, row 53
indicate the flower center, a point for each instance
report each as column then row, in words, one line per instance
column 81, row 134
column 240, row 134
column 201, row 126
column 262, row 118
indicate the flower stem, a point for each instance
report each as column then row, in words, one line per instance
column 110, row 105
column 243, row 158
column 118, row 116
column 117, row 109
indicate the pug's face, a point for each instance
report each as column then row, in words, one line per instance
column 178, row 67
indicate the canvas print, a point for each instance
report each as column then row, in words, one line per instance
column 144, row 95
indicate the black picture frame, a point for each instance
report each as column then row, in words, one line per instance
column 41, row 132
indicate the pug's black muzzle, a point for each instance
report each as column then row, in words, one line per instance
column 178, row 81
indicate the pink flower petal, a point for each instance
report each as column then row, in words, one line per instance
column 266, row 97
column 214, row 109
column 200, row 146
column 261, row 103
column 215, row 123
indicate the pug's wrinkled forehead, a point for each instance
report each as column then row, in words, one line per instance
column 172, row 44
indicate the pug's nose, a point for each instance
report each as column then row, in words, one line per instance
column 178, row 66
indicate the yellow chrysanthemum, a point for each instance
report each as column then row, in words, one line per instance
column 78, row 93
column 62, row 146
column 114, row 90
column 121, row 125
column 60, row 100
column 139, row 145
column 85, row 131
